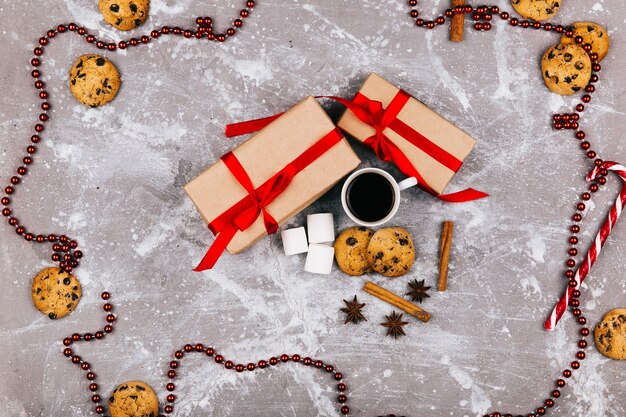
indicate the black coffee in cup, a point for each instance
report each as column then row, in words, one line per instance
column 370, row 197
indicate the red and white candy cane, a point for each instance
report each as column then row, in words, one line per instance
column 594, row 250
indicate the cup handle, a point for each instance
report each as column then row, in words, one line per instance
column 407, row 183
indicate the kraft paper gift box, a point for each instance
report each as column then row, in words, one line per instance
column 435, row 147
column 305, row 132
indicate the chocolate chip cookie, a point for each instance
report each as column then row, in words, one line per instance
column 610, row 334
column 94, row 80
column 566, row 68
column 391, row 252
column 55, row 293
column 593, row 34
column 536, row 9
column 133, row 399
column 350, row 250
column 124, row 14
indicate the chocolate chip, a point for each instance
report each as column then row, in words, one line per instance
column 74, row 296
column 52, row 316
column 100, row 61
column 75, row 287
column 80, row 64
column 362, row 229
column 403, row 242
column 395, row 260
column 134, row 397
column 568, row 79
column 140, row 388
column 114, row 8
column 73, row 81
column 66, row 281
column 567, row 57
column 379, row 255
column 111, row 399
column 118, row 21
column 385, row 268
column 133, row 8
column 137, row 22
column 37, row 291
column 351, row 241
column 574, row 89
column 68, row 305
column 123, row 387
column 551, row 55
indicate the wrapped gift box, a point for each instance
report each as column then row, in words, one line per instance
column 216, row 191
column 435, row 147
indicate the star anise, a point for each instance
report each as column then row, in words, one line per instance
column 394, row 325
column 353, row 311
column 418, row 291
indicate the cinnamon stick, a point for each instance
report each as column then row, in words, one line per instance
column 396, row 301
column 444, row 253
column 458, row 22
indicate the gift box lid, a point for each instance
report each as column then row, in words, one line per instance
column 432, row 126
column 264, row 154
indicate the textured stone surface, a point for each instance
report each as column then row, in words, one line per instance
column 112, row 177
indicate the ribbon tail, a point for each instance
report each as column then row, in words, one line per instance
column 217, row 248
column 250, row 126
column 469, row 194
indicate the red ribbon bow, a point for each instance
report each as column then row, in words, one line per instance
column 246, row 211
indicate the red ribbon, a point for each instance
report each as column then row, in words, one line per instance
column 245, row 212
column 372, row 113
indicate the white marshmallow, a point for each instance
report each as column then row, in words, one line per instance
column 321, row 227
column 320, row 258
column 294, row 241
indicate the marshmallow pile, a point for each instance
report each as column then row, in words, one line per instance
column 321, row 233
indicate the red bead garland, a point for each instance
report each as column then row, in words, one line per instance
column 67, row 255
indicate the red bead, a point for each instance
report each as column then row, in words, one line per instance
column 250, row 4
column 27, row 160
column 88, row 337
column 111, row 47
column 210, row 351
column 244, row 13
column 341, row 387
column 556, row 393
column 229, row 364
column 580, row 107
column 31, row 150
column 284, row 357
column 338, row 376
column 345, row 410
column 100, row 45
column 596, row 67
column 251, row 367
column 585, row 196
column 179, row 354
column 174, row 364
column 295, row 358
column 591, row 154
column 9, row 190
column 133, row 42
column 504, row 15
column 110, row 318
column 188, row 348
column 342, row 398
column 82, row 31
column 419, row 22
column 262, row 364
column 155, row 34
column 575, row 365
column 20, row 230
column 273, row 361
column 67, row 341
column 171, row 398
column 39, row 128
column 99, row 409
column 171, row 374
column 230, row 31
column 329, row 368
column 170, row 386
column 576, row 293
column 93, row 387
column 90, row 376
column 573, row 240
column 593, row 56
column 75, row 359
column 580, row 355
column 67, row 352
column 168, row 409
column 5, row 201
column 548, row 27
column 38, row 51
column 569, row 273
column 219, row 358
column 122, row 44
column 318, row 364
column 582, row 344
column 6, row 212
column 525, row 23
column 580, row 135
column 586, row 98
column 601, row 180
column 108, row 328
column 582, row 320
column 99, row 335
column 584, row 331
column 12, row 221
column 145, row 39
column 239, row 367
column 307, row 361
column 221, row 38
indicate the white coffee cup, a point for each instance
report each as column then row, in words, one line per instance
column 395, row 185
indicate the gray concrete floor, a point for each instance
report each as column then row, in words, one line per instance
column 112, row 177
